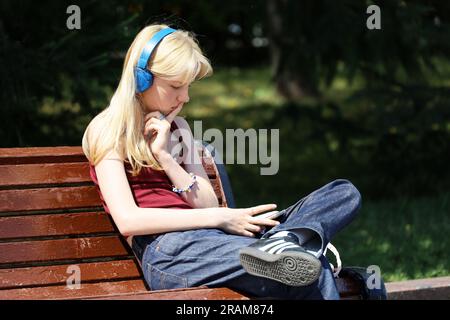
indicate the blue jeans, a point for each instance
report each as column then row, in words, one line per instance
column 211, row 257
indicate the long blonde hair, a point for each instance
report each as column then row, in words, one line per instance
column 121, row 123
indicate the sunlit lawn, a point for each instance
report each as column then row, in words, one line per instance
column 408, row 238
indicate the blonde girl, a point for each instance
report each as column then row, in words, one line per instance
column 164, row 201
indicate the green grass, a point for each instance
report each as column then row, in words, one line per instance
column 229, row 90
column 407, row 238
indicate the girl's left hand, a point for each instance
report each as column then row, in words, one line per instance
column 159, row 130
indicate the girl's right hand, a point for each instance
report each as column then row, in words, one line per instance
column 159, row 130
column 242, row 221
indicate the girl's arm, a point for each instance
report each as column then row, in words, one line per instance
column 133, row 220
column 202, row 194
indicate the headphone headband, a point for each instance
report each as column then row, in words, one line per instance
column 150, row 46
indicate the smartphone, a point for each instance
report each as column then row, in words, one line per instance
column 270, row 215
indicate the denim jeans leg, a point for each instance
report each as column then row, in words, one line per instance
column 325, row 211
column 325, row 288
column 210, row 257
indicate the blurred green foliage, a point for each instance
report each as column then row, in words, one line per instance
column 314, row 41
column 374, row 104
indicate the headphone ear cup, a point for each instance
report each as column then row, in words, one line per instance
column 144, row 79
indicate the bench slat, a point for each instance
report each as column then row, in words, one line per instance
column 59, row 274
column 199, row 293
column 53, row 173
column 61, row 249
column 87, row 290
column 49, row 198
column 50, row 173
column 41, row 155
column 55, row 225
column 57, row 198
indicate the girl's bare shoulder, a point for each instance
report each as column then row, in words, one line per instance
column 95, row 130
column 95, row 127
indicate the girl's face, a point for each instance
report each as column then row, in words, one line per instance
column 165, row 95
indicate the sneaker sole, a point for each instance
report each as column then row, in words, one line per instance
column 292, row 268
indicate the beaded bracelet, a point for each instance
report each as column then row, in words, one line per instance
column 188, row 188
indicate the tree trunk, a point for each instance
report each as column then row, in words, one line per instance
column 284, row 48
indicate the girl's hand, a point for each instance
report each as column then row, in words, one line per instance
column 158, row 131
column 242, row 222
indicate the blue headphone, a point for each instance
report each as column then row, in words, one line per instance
column 143, row 76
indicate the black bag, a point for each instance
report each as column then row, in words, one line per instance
column 362, row 277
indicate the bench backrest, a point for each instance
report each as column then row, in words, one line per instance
column 52, row 225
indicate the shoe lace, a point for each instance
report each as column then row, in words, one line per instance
column 338, row 259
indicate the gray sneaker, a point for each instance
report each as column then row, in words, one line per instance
column 281, row 259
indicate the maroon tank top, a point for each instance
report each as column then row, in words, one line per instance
column 150, row 188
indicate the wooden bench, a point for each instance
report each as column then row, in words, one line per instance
column 52, row 222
